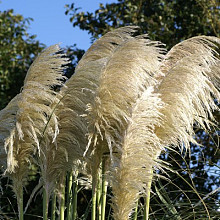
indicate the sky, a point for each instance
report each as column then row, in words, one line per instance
column 50, row 24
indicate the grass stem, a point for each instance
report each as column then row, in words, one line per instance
column 104, row 190
column 147, row 198
column 99, row 193
column 94, row 203
column 45, row 204
column 53, row 207
column 136, row 211
column 74, row 197
column 62, row 199
column 20, row 204
column 69, row 195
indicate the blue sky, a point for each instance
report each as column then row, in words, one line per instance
column 50, row 24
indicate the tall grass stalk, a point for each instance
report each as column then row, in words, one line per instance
column 104, row 190
column 74, row 197
column 69, row 195
column 53, row 207
column 136, row 212
column 62, row 199
column 93, row 217
column 147, row 198
column 146, row 208
column 99, row 193
column 45, row 205
column 20, row 205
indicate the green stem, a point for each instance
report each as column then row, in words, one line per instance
column 104, row 189
column 53, row 207
column 99, row 194
column 74, row 198
column 136, row 211
column 93, row 203
column 45, row 204
column 69, row 195
column 62, row 200
column 147, row 199
column 20, row 204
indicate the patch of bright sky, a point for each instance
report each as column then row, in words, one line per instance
column 50, row 24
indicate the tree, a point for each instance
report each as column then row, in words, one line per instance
column 164, row 20
column 18, row 49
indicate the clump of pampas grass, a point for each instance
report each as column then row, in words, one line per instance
column 81, row 89
column 128, row 72
column 186, row 93
column 127, row 100
column 67, row 152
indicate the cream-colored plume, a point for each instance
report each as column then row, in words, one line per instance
column 79, row 90
column 140, row 149
column 33, row 117
column 67, row 151
column 127, row 73
column 105, row 46
column 34, row 109
column 7, row 126
column 188, row 89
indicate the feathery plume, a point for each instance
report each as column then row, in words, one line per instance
column 186, row 48
column 67, row 152
column 7, row 126
column 128, row 72
column 188, row 89
column 105, row 46
column 34, row 104
column 140, row 149
column 79, row 90
column 33, row 116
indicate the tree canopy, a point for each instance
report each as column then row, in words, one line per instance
column 164, row 20
column 18, row 49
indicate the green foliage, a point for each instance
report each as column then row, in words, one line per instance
column 18, row 49
column 164, row 20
